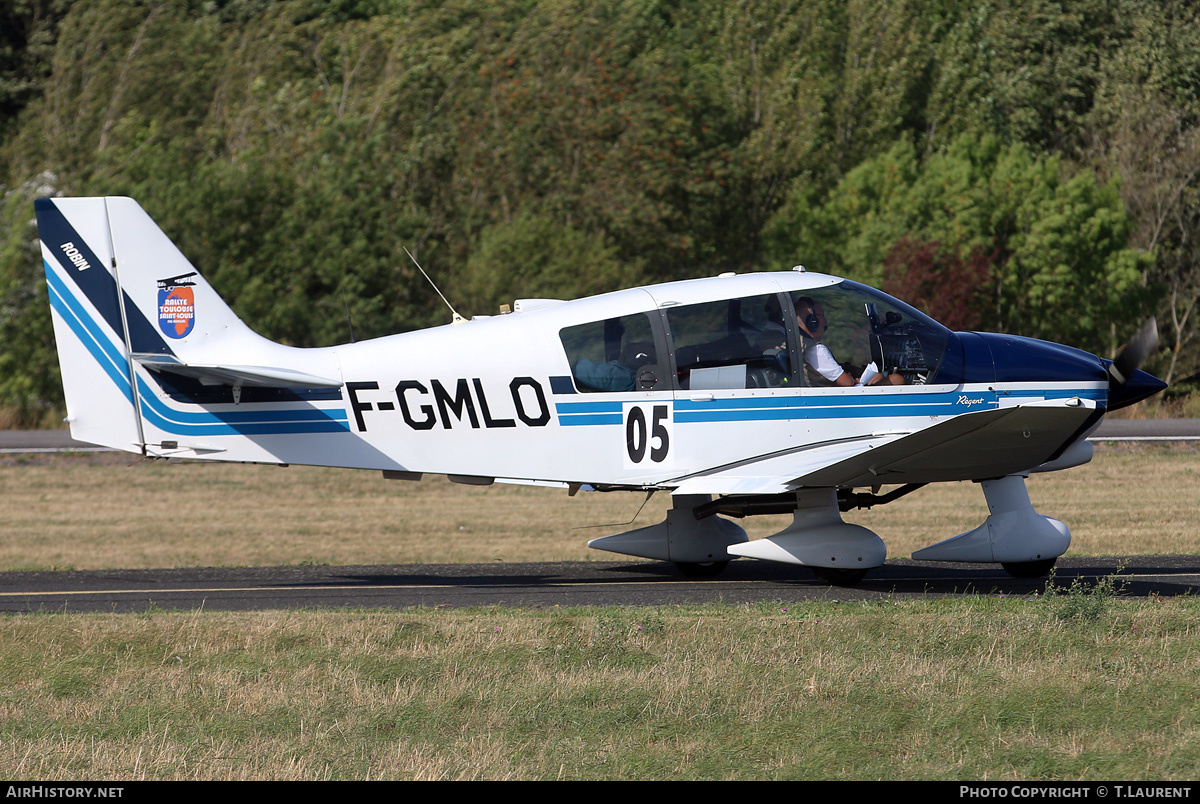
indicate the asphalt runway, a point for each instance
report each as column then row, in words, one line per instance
column 582, row 583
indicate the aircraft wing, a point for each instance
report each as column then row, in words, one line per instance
column 253, row 376
column 984, row 444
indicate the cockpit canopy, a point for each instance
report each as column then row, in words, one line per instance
column 763, row 341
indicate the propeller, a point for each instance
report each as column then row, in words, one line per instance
column 1127, row 382
column 1131, row 358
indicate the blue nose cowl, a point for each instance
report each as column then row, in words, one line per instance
column 1016, row 359
column 1137, row 387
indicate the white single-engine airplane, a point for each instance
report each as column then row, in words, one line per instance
column 724, row 392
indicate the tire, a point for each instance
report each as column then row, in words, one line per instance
column 705, row 569
column 1028, row 569
column 836, row 576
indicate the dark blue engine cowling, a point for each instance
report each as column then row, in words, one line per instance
column 1018, row 359
column 993, row 357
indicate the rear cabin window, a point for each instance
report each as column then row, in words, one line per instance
column 729, row 344
column 616, row 354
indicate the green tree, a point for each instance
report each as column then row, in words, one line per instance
column 30, row 384
column 1146, row 129
column 28, row 32
column 535, row 256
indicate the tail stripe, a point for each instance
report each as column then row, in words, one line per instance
column 94, row 280
column 157, row 414
column 96, row 283
column 84, row 319
column 143, row 336
column 94, row 340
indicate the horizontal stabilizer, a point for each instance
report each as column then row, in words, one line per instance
column 251, row 376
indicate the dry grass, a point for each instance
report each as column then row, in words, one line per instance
column 1163, row 406
column 987, row 688
column 107, row 511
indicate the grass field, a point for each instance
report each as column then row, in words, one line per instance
column 981, row 688
column 1077, row 685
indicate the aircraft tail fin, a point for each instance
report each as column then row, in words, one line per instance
column 129, row 311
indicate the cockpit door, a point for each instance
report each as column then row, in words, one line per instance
column 734, row 371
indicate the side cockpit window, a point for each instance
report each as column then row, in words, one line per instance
column 730, row 344
column 616, row 354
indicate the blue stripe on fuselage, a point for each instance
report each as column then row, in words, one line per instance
column 589, row 418
column 235, row 417
column 829, row 406
column 232, row 423
column 802, row 405
column 566, row 408
column 577, row 414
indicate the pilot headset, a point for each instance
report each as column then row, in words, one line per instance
column 811, row 321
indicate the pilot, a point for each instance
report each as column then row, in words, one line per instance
column 810, row 317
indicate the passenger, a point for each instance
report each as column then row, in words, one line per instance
column 616, row 375
column 773, row 335
column 772, row 338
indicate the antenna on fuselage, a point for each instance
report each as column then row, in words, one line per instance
column 455, row 318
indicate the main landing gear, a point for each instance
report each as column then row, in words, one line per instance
column 699, row 548
column 701, row 544
column 1014, row 535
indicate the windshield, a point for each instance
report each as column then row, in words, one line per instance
column 866, row 331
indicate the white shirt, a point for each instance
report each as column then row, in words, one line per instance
column 820, row 358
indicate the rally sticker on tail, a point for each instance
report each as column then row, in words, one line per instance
column 176, row 306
